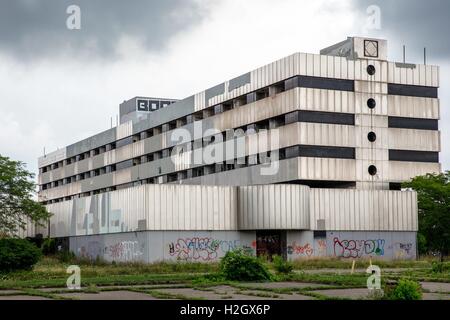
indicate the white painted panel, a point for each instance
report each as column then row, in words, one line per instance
column 410, row 139
column 267, row 204
column 124, row 130
column 364, row 209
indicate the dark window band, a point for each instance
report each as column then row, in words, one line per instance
column 123, row 142
column 320, row 152
column 327, row 117
column 412, row 123
column 414, row 156
column 320, row 83
column 414, row 91
column 124, row 164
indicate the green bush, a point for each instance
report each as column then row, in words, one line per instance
column 281, row 265
column 48, row 246
column 237, row 265
column 18, row 254
column 440, row 267
column 405, row 290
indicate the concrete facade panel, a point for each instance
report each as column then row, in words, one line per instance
column 154, row 246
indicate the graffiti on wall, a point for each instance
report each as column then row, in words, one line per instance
column 358, row 248
column 403, row 250
column 321, row 247
column 301, row 250
column 126, row 251
column 91, row 250
column 119, row 251
column 318, row 249
column 202, row 248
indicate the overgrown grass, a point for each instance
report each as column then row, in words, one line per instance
column 50, row 272
column 95, row 267
column 105, row 280
column 340, row 263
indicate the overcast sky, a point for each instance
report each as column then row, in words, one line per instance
column 58, row 86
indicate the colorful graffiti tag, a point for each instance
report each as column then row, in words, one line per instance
column 205, row 249
column 358, row 248
column 305, row 250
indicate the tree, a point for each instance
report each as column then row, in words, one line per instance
column 433, row 193
column 17, row 206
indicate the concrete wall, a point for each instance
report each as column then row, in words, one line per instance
column 209, row 246
column 170, row 207
column 363, row 210
column 352, row 245
column 153, row 246
column 366, row 120
column 300, row 133
column 147, row 207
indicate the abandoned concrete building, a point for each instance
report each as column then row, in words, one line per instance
column 302, row 157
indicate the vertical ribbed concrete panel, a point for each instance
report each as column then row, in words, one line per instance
column 284, row 206
column 326, row 100
column 202, row 208
column 323, row 134
column 413, row 107
column 326, row 169
column 124, row 130
column 402, row 170
column 420, row 75
column 409, row 139
column 381, row 210
column 148, row 207
column 52, row 157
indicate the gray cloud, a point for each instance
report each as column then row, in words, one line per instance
column 31, row 29
column 415, row 23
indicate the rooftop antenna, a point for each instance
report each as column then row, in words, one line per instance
column 404, row 54
column 44, row 152
column 111, row 122
column 425, row 55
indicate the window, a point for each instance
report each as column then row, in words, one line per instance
column 327, row 117
column 371, row 48
column 325, row 83
column 412, row 123
column 327, row 152
column 411, row 90
column 413, row 156
column 371, row 103
column 371, row 70
column 372, row 170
